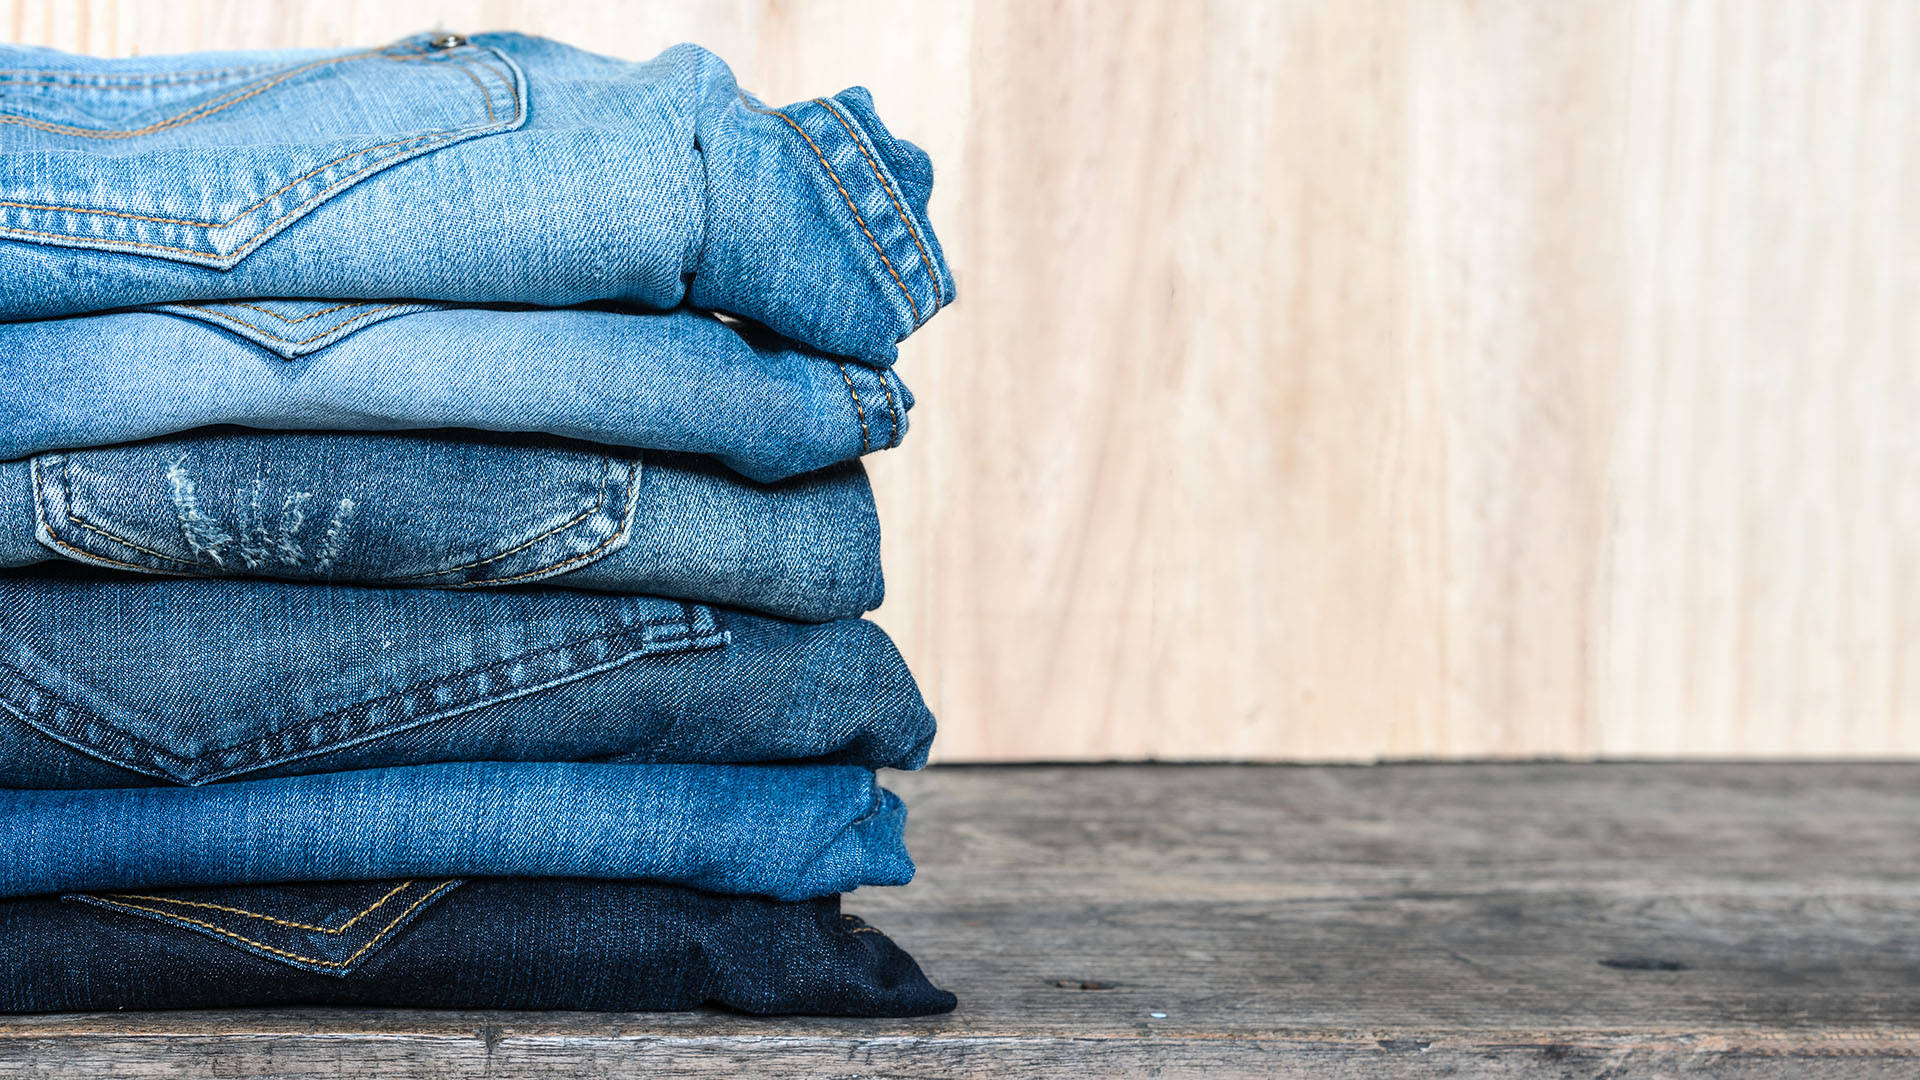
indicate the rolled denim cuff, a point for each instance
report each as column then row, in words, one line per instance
column 788, row 832
column 830, row 165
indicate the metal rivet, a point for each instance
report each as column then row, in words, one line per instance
column 448, row 41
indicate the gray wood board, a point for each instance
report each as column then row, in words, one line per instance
column 1497, row 920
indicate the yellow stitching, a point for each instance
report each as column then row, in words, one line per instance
column 884, row 186
column 893, row 412
column 191, row 115
column 244, row 212
column 342, row 928
column 866, row 443
column 861, row 221
column 371, row 942
column 486, row 95
column 289, row 341
column 633, row 479
column 513, row 89
column 323, row 193
column 582, row 516
column 301, row 319
column 863, row 930
column 129, row 543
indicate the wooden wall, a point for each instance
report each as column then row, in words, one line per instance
column 1352, row 378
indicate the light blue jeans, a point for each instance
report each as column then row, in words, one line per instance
column 680, row 381
column 505, row 168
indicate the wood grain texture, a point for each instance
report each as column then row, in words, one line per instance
column 1479, row 920
column 1343, row 379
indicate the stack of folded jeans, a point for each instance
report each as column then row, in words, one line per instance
column 434, row 535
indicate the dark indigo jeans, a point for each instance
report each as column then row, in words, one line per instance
column 444, row 943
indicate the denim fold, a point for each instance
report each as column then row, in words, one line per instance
column 496, row 168
column 788, row 832
column 125, row 681
column 450, row 510
column 437, row 943
column 681, row 381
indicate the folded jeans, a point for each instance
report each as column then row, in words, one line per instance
column 438, row 943
column 501, row 168
column 679, row 381
column 453, row 509
column 789, row 832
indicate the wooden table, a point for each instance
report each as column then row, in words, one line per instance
column 1411, row 920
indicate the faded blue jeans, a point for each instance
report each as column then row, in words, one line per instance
column 110, row 680
column 505, row 168
column 788, row 832
column 455, row 510
column 680, row 381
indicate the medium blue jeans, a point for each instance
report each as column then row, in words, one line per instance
column 680, row 381
column 505, row 168
column 437, row 943
column 110, row 680
column 788, row 832
column 455, row 510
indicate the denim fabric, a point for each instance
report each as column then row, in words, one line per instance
column 505, row 169
column 680, row 381
column 110, row 680
column 786, row 831
column 460, row 510
column 521, row 943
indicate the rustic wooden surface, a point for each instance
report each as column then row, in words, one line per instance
column 1486, row 920
column 1340, row 378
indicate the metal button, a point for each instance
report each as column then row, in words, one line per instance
column 448, row 41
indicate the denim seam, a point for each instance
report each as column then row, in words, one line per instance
column 866, row 441
column 893, row 412
column 234, row 97
column 371, row 942
column 324, row 193
column 926, row 263
column 600, row 500
column 858, row 219
column 626, row 524
column 276, row 920
column 686, row 640
column 199, row 112
column 283, row 318
column 65, row 79
column 336, row 327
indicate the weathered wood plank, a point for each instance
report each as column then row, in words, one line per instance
column 1513, row 920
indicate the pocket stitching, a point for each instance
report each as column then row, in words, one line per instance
column 686, row 639
column 606, row 466
column 289, row 341
column 371, row 942
column 246, row 245
column 866, row 441
column 330, row 930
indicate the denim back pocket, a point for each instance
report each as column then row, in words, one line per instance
column 421, row 509
column 193, row 680
column 203, row 166
column 330, row 929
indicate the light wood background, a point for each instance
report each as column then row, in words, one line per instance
column 1353, row 378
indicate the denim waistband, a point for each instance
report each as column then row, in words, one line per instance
column 679, row 382
column 114, row 680
column 439, row 943
column 784, row 831
column 457, row 510
column 504, row 168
